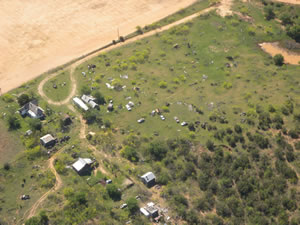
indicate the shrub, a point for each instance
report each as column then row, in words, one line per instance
column 210, row 145
column 165, row 108
column 130, row 154
column 163, row 84
column 269, row 13
column 7, row 98
column 278, row 60
column 132, row 205
column 13, row 122
column 157, row 150
column 294, row 32
column 85, row 90
column 23, row 99
column 113, row 192
column 33, row 153
column 6, row 166
column 227, row 85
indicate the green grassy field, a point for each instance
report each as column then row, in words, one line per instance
column 63, row 86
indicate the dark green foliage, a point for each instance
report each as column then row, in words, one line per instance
column 294, row 32
column 278, row 60
column 130, row 153
column 6, row 166
column 132, row 205
column 297, row 145
column 223, row 210
column 238, row 129
column 13, row 122
column 23, row 99
column 157, row 150
column 285, row 170
column 210, row 145
column 293, row 134
column 92, row 116
column 244, row 186
column 41, row 219
column 269, row 13
column 113, row 192
column 286, row 19
column 85, row 90
column 35, row 124
column 163, row 178
column 99, row 98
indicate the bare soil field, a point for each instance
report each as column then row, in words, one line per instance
column 37, row 35
column 273, row 49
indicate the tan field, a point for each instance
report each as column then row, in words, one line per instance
column 37, row 35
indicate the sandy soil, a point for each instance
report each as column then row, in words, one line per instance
column 37, row 35
column 296, row 2
column 273, row 49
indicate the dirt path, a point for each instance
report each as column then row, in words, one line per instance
column 58, row 184
column 273, row 49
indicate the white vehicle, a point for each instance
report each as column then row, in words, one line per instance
column 128, row 107
column 176, row 119
column 184, row 124
column 141, row 120
column 162, row 117
column 123, row 206
column 109, row 181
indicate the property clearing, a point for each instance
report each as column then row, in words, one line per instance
column 36, row 36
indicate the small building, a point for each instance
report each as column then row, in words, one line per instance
column 148, row 179
column 82, row 166
column 80, row 104
column 150, row 210
column 32, row 110
column 48, row 140
column 88, row 99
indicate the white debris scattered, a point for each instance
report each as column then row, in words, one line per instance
column 109, row 86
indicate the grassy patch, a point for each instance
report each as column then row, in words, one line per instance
column 58, row 88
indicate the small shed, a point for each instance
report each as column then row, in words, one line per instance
column 88, row 99
column 48, row 140
column 144, row 212
column 148, row 179
column 82, row 166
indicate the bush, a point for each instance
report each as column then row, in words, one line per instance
column 210, row 145
column 294, row 32
column 113, row 192
column 23, row 99
column 33, row 153
column 132, row 205
column 85, row 90
column 6, row 166
column 269, row 13
column 13, row 122
column 7, row 98
column 163, row 84
column 278, row 60
column 99, row 98
column 130, row 154
column 157, row 150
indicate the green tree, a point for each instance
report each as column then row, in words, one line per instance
column 130, row 154
column 23, row 99
column 85, row 90
column 132, row 205
column 35, row 124
column 113, row 192
column 158, row 150
column 99, row 98
column 294, row 32
column 286, row 19
column 278, row 60
column 13, row 122
column 269, row 13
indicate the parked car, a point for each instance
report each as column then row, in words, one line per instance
column 25, row 197
column 162, row 117
column 109, row 181
column 176, row 119
column 184, row 124
column 123, row 206
column 141, row 120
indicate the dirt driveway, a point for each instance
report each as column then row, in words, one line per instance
column 37, row 35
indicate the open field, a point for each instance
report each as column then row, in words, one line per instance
column 36, row 35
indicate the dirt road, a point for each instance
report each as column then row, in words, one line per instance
column 58, row 184
column 37, row 35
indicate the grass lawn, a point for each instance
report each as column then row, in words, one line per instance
column 63, row 86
